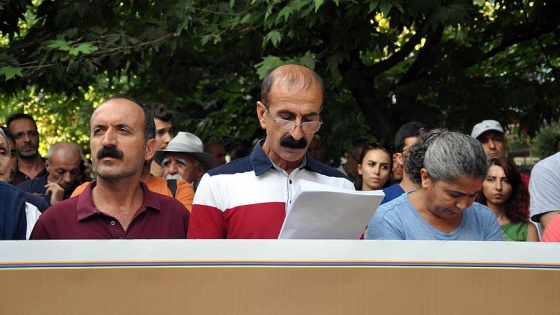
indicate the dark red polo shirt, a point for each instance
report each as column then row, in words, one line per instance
column 159, row 217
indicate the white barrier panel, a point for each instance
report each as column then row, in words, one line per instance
column 278, row 277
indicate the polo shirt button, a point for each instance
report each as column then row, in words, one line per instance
column 113, row 223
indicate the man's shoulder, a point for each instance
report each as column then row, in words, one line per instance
column 166, row 203
column 326, row 170
column 241, row 165
column 7, row 190
column 552, row 161
column 34, row 185
column 61, row 210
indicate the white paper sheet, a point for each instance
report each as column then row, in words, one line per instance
column 321, row 211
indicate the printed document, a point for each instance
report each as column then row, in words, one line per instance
column 321, row 211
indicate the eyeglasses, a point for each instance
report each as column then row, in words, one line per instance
column 30, row 134
column 289, row 126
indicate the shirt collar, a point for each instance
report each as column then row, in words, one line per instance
column 86, row 207
column 262, row 163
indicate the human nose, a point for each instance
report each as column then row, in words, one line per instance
column 172, row 167
column 491, row 144
column 498, row 185
column 109, row 138
column 67, row 177
column 464, row 202
column 297, row 132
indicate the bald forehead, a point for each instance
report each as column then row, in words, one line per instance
column 295, row 77
column 118, row 103
column 66, row 150
column 118, row 111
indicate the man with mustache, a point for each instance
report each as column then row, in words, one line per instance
column 247, row 198
column 62, row 177
column 184, row 158
column 117, row 205
column 30, row 163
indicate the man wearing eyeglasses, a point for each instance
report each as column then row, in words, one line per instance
column 247, row 198
column 30, row 162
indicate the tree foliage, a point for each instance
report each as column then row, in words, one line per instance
column 449, row 63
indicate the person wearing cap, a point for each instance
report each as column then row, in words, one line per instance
column 184, row 158
column 247, row 198
column 491, row 134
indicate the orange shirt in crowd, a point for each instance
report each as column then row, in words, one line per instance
column 184, row 193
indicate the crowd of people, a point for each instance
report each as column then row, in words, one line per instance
column 151, row 182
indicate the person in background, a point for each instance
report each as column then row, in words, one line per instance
column 13, row 155
column 117, row 205
column 491, row 134
column 165, row 131
column 30, row 163
column 451, row 168
column 506, row 195
column 246, row 198
column 317, row 150
column 176, row 188
column 352, row 159
column 404, row 138
column 63, row 173
column 184, row 158
column 12, row 213
column 374, row 169
column 12, row 205
column 7, row 176
column 32, row 212
column 544, row 189
column 217, row 150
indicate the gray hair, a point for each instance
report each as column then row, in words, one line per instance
column 63, row 146
column 4, row 135
column 447, row 156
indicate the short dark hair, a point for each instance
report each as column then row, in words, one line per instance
column 20, row 116
column 160, row 111
column 408, row 130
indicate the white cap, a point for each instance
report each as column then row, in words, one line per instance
column 486, row 125
column 186, row 142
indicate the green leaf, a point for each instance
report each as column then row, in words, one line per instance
column 82, row 48
column 60, row 44
column 10, row 72
column 318, row 4
column 274, row 37
column 268, row 63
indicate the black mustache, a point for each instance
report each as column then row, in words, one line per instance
column 112, row 152
column 290, row 142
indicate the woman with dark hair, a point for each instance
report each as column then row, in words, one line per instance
column 374, row 168
column 507, row 196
